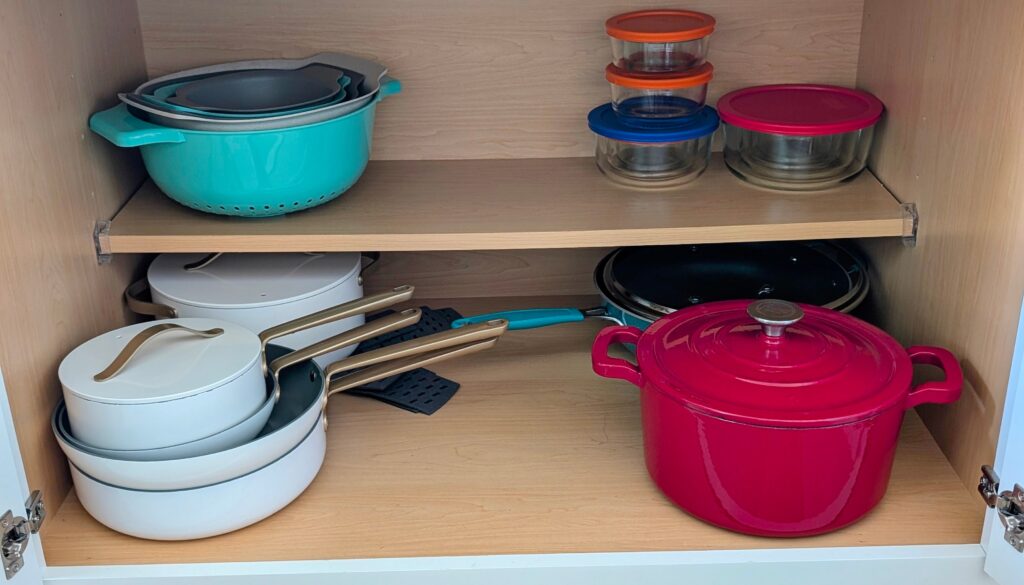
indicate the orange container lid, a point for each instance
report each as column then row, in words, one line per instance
column 660, row 26
column 645, row 80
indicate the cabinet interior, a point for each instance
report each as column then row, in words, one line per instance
column 514, row 81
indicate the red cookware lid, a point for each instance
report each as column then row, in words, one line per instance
column 660, row 26
column 660, row 80
column 800, row 110
column 775, row 363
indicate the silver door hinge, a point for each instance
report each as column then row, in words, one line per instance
column 15, row 532
column 1008, row 504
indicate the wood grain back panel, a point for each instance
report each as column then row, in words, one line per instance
column 953, row 142
column 489, row 273
column 497, row 79
column 62, row 60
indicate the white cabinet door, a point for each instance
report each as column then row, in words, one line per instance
column 13, row 493
column 1004, row 564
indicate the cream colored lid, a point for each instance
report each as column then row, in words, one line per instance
column 170, row 366
column 240, row 281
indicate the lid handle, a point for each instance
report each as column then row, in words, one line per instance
column 140, row 339
column 774, row 315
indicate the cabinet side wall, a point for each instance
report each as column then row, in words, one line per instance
column 487, row 79
column 953, row 143
column 62, row 60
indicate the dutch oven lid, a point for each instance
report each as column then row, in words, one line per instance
column 800, row 110
column 243, row 281
column 172, row 365
column 775, row 363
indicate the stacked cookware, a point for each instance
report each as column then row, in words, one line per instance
column 657, row 130
column 193, row 426
column 254, row 138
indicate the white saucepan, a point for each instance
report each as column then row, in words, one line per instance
column 157, row 385
column 298, row 376
column 255, row 291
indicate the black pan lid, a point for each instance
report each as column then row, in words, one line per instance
column 655, row 280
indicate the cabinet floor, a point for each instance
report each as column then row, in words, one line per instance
column 535, row 454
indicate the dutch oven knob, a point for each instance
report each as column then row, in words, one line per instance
column 774, row 315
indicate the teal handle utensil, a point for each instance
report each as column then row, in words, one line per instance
column 527, row 318
column 123, row 129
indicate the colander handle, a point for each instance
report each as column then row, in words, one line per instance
column 121, row 128
column 389, row 86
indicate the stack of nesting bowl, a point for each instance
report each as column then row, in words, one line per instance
column 258, row 138
column 656, row 131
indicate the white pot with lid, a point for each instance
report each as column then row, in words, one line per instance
column 149, row 386
column 255, row 291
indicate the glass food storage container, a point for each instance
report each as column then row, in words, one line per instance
column 660, row 40
column 641, row 97
column 662, row 155
column 798, row 137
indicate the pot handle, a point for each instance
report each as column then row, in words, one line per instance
column 120, row 127
column 141, row 338
column 410, row 355
column 141, row 307
column 337, row 313
column 941, row 392
column 525, row 318
column 609, row 367
column 442, row 340
column 381, row 326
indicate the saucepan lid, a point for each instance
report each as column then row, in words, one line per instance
column 248, row 281
column 172, row 359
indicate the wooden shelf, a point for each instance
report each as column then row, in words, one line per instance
column 535, row 454
column 515, row 204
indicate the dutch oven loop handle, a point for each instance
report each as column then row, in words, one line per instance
column 941, row 392
column 141, row 338
column 609, row 367
column 132, row 298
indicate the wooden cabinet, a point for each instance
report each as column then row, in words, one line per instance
column 483, row 194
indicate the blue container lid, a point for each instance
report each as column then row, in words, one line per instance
column 604, row 122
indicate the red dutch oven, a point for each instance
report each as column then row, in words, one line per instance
column 771, row 418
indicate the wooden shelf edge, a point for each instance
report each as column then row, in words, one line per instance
column 505, row 204
column 518, row 241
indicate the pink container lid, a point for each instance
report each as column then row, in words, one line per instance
column 800, row 110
